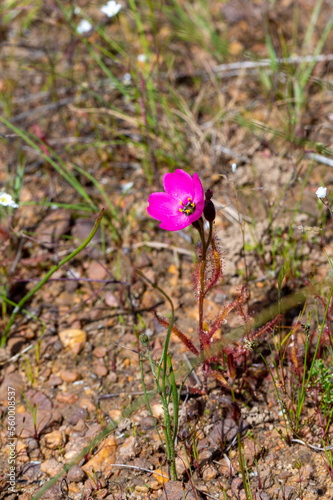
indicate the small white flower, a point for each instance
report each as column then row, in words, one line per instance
column 83, row 27
column 7, row 201
column 77, row 10
column 321, row 192
column 141, row 58
column 127, row 186
column 127, row 78
column 111, row 8
column 234, row 167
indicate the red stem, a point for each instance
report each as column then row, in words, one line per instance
column 201, row 297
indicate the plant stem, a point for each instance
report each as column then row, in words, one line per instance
column 162, row 366
column 147, row 398
column 240, row 452
column 175, row 400
column 306, row 385
column 209, row 234
column 47, row 276
column 202, row 283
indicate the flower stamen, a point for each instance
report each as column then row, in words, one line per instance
column 189, row 208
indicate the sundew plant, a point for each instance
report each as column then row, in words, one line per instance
column 184, row 203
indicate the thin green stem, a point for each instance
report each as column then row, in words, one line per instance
column 147, row 398
column 327, row 205
column 167, row 428
column 163, row 364
column 240, row 453
column 167, row 422
column 305, row 387
column 298, row 413
column 61, row 168
column 276, row 390
column 46, row 277
column 175, row 400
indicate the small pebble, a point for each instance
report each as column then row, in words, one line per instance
column 101, row 370
column 99, row 352
column 88, row 405
column 111, row 300
column 141, row 489
column 95, row 271
column 161, row 476
column 73, row 338
column 209, row 473
column 101, row 494
column 78, row 414
column 112, row 377
column 51, row 467
column 70, row 375
column 155, row 485
column 67, row 398
column 54, row 380
column 174, row 490
column 236, row 486
column 32, row 444
column 264, row 496
column 129, row 449
column 54, row 440
column 80, row 427
column 115, row 414
column 75, row 474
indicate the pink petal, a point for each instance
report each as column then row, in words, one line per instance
column 193, row 217
column 179, row 184
column 162, row 206
column 199, row 197
column 175, row 223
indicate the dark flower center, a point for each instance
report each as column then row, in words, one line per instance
column 187, row 209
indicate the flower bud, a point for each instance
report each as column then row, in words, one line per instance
column 208, row 194
column 144, row 339
column 196, row 224
column 209, row 208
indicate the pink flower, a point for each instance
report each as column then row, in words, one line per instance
column 181, row 204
